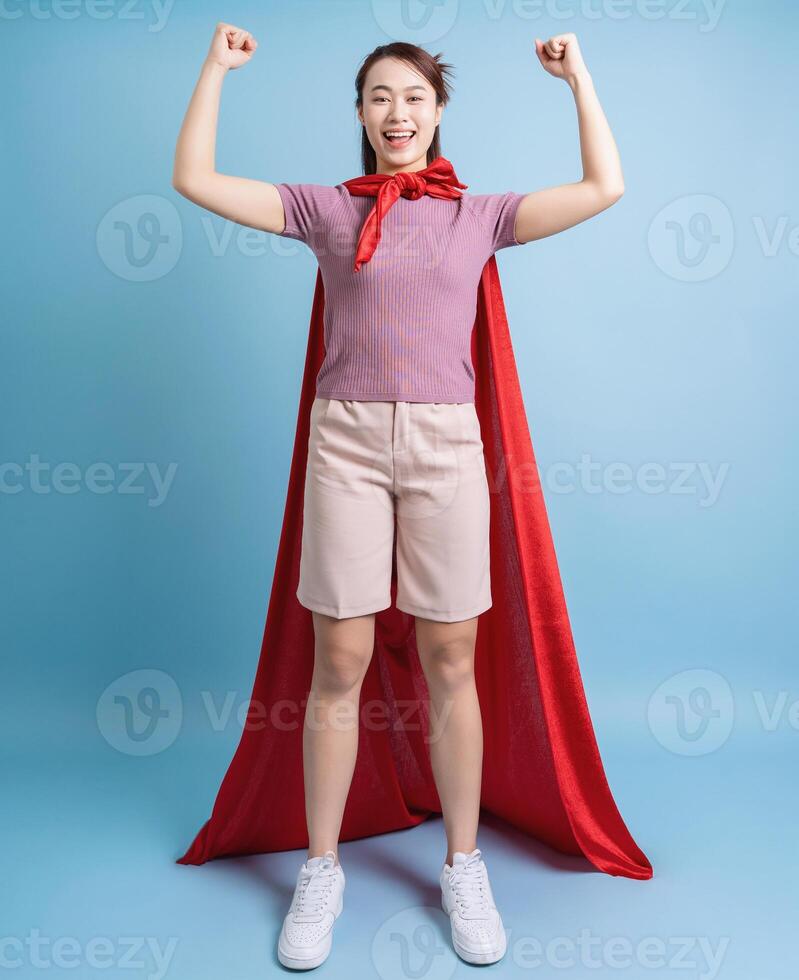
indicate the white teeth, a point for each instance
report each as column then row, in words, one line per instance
column 404, row 132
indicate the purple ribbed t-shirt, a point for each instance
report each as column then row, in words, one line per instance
column 400, row 328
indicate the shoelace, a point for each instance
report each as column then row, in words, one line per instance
column 312, row 892
column 468, row 882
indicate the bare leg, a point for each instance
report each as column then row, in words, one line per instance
column 446, row 652
column 342, row 651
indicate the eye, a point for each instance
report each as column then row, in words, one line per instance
column 380, row 98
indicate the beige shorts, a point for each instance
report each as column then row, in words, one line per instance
column 374, row 464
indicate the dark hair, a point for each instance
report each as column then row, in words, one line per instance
column 428, row 66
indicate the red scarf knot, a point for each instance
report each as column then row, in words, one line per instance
column 438, row 179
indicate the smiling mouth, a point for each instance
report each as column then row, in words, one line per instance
column 399, row 140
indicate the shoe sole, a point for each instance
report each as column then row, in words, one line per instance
column 310, row 962
column 484, row 956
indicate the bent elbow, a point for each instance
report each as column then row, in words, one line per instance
column 604, row 193
column 614, row 193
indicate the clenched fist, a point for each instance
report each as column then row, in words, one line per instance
column 231, row 46
column 561, row 56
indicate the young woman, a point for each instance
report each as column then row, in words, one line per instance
column 395, row 441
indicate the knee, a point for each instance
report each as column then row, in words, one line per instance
column 449, row 665
column 338, row 669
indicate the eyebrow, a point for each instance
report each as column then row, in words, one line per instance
column 374, row 88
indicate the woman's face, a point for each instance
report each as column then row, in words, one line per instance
column 397, row 98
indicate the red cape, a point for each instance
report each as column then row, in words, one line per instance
column 542, row 770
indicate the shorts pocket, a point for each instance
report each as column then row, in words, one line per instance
column 319, row 408
column 471, row 436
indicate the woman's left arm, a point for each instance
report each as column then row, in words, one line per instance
column 553, row 209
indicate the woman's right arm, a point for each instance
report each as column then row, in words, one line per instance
column 255, row 203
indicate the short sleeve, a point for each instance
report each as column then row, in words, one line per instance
column 497, row 214
column 305, row 207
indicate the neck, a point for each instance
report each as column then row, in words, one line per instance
column 385, row 167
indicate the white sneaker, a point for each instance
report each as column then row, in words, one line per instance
column 477, row 931
column 307, row 933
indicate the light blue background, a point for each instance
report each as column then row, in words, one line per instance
column 641, row 337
